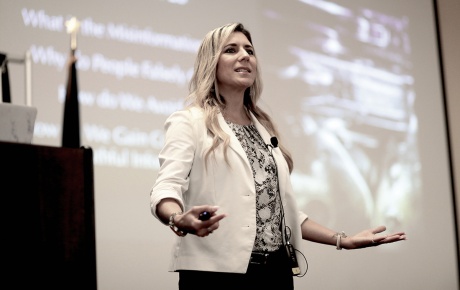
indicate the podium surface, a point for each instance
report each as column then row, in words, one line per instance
column 49, row 221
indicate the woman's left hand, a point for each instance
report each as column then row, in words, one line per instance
column 371, row 238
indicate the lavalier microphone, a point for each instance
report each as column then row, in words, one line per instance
column 274, row 141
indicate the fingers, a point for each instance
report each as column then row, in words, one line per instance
column 379, row 229
column 208, row 227
column 386, row 239
column 207, row 213
column 399, row 234
column 205, row 208
column 394, row 238
column 205, row 220
column 373, row 237
column 206, row 231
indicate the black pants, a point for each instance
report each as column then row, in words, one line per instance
column 277, row 271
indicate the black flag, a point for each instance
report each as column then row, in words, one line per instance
column 6, row 96
column 71, row 125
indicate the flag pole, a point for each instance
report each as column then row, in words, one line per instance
column 73, row 25
column 71, row 124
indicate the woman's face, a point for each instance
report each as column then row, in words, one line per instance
column 236, row 69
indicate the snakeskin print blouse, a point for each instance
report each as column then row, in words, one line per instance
column 268, row 205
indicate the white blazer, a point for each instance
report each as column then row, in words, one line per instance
column 184, row 176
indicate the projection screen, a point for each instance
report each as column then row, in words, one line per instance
column 354, row 87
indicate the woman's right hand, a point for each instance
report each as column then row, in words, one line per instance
column 191, row 223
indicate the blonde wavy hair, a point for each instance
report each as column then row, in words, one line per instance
column 204, row 92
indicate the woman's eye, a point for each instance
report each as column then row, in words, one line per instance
column 233, row 50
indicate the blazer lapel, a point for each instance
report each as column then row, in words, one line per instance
column 234, row 143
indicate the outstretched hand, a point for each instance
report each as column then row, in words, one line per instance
column 191, row 223
column 371, row 238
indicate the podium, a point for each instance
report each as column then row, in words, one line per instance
column 49, row 223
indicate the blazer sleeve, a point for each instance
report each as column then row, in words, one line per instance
column 176, row 159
